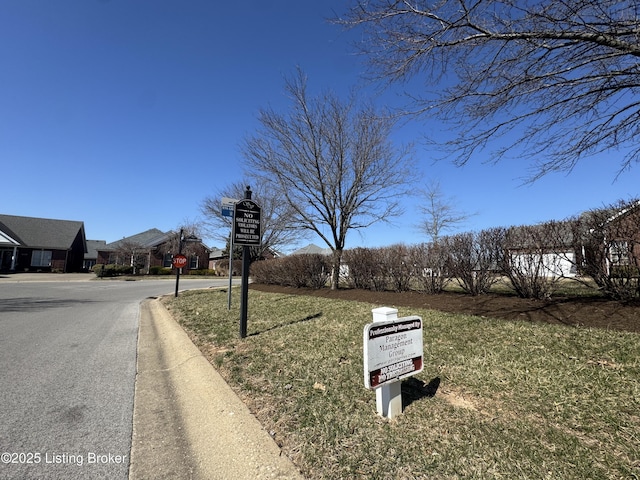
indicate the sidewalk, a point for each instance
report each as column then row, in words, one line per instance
column 187, row 422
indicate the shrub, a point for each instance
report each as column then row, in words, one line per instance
column 380, row 269
column 205, row 272
column 365, row 271
column 396, row 264
column 537, row 257
column 267, row 272
column 298, row 271
column 112, row 270
column 473, row 259
column 158, row 270
column 222, row 268
column 624, row 271
column 429, row 267
column 316, row 269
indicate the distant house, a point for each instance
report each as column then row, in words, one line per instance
column 29, row 244
column 612, row 242
column 153, row 248
column 219, row 260
column 544, row 250
column 312, row 249
column 91, row 257
column 8, row 252
column 216, row 258
column 606, row 240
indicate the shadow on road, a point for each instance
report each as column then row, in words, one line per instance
column 27, row 304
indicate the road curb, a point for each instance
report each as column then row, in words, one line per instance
column 187, row 422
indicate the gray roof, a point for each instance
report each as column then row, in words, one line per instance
column 92, row 248
column 6, row 240
column 41, row 232
column 312, row 249
column 146, row 239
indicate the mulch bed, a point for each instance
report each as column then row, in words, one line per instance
column 585, row 312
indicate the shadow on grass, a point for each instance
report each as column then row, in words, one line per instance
column 292, row 322
column 413, row 390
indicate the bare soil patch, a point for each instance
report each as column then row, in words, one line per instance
column 585, row 312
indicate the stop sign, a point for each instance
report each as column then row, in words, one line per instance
column 179, row 261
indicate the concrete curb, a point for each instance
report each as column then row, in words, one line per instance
column 187, row 422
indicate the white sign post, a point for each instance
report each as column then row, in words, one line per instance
column 392, row 351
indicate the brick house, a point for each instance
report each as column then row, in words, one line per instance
column 612, row 239
column 152, row 248
column 91, row 257
column 30, row 244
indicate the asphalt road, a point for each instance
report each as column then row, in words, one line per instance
column 67, row 374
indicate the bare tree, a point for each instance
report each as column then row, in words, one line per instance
column 128, row 253
column 440, row 214
column 191, row 229
column 277, row 228
column 331, row 161
column 562, row 76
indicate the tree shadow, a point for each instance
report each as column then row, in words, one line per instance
column 27, row 304
column 292, row 322
column 413, row 390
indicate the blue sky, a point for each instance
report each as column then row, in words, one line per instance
column 126, row 114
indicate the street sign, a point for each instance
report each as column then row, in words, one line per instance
column 247, row 223
column 179, row 261
column 227, row 206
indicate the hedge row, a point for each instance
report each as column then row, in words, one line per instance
column 399, row 268
column 204, row 272
column 158, row 270
column 311, row 271
column 112, row 270
column 474, row 261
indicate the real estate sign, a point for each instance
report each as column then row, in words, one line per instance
column 392, row 350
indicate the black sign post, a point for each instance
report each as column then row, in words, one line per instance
column 246, row 232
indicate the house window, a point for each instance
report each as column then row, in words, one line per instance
column 619, row 253
column 167, row 262
column 193, row 263
column 41, row 258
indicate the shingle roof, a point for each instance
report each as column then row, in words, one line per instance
column 312, row 249
column 7, row 240
column 92, row 248
column 41, row 232
column 147, row 239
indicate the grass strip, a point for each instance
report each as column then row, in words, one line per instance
column 496, row 399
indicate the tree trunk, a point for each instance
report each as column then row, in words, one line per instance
column 335, row 269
